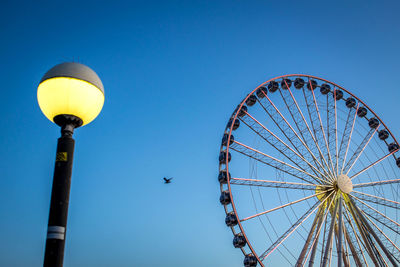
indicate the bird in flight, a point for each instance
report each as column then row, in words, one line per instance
column 167, row 180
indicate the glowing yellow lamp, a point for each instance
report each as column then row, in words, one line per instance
column 71, row 89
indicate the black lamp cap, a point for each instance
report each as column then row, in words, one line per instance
column 67, row 123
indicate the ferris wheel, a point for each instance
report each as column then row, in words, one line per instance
column 309, row 175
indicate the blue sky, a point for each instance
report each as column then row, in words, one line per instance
column 173, row 72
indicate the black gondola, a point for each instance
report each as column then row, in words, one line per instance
column 299, row 83
column 242, row 111
column 222, row 157
column 351, row 102
column 225, row 198
column 311, row 85
column 393, row 147
column 338, row 94
column 250, row 260
column 361, row 112
column 239, row 241
column 286, row 83
column 223, row 177
column 225, row 139
column 235, row 125
column 230, row 219
column 251, row 100
column 383, row 134
column 373, row 123
column 261, row 92
column 325, row 88
column 273, row 86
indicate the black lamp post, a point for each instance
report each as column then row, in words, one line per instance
column 70, row 95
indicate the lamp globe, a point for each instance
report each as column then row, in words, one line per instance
column 71, row 93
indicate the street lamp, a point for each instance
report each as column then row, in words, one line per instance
column 70, row 95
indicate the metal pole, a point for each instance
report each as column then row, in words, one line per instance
column 328, row 242
column 371, row 231
column 314, row 246
column 55, row 242
column 310, row 235
column 363, row 233
column 340, row 232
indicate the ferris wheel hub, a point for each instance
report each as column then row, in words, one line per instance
column 344, row 183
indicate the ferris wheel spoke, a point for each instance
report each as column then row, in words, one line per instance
column 288, row 131
column 349, row 245
column 381, row 221
column 279, row 144
column 315, row 118
column 328, row 246
column 309, row 131
column 378, row 200
column 302, row 131
column 283, row 237
column 354, row 251
column 327, row 222
column 366, row 233
column 314, row 226
column 313, row 251
column 374, row 235
column 388, row 222
column 346, row 137
column 332, row 130
column 347, row 248
column 387, row 239
column 373, row 164
column 302, row 126
column 395, row 249
column 273, row 184
column 394, row 181
column 314, row 115
column 381, row 258
column 367, row 240
column 281, row 207
column 330, row 253
column 360, row 149
column 314, row 245
column 273, row 162
column 340, row 233
column 319, row 130
column 330, row 136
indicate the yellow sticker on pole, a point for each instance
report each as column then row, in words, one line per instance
column 62, row 156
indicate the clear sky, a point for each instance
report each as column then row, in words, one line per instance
column 173, row 72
